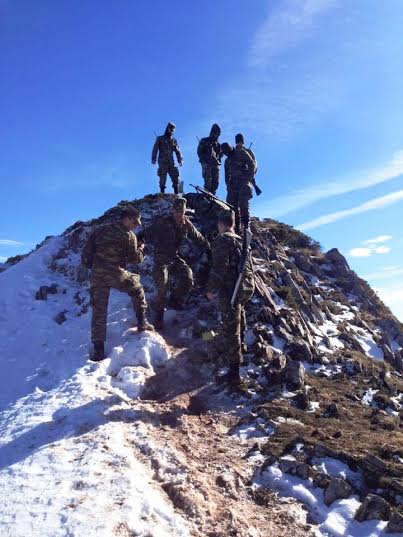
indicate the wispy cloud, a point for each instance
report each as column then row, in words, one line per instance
column 285, row 28
column 358, row 180
column 9, row 242
column 368, row 251
column 376, row 240
column 374, row 204
column 386, row 273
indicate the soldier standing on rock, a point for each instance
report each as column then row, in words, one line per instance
column 106, row 252
column 165, row 146
column 240, row 168
column 226, row 253
column 209, row 153
column 167, row 234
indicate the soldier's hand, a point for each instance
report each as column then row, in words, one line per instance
column 180, row 162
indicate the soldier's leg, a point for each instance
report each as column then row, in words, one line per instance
column 215, row 178
column 183, row 280
column 129, row 283
column 243, row 329
column 207, row 177
column 244, row 205
column 160, row 276
column 99, row 294
column 162, row 174
column 233, row 199
column 174, row 175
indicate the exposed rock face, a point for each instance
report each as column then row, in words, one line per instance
column 337, row 489
column 294, row 375
column 395, row 524
column 373, row 507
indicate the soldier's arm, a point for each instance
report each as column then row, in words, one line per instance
column 226, row 172
column 220, row 264
column 134, row 253
column 200, row 150
column 197, row 236
column 252, row 154
column 155, row 151
column 178, row 152
column 88, row 253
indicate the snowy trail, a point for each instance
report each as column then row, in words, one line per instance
column 69, row 461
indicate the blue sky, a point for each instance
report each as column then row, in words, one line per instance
column 316, row 85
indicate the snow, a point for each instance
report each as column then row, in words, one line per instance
column 71, row 444
column 336, row 468
column 337, row 520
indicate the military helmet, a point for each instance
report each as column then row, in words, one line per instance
column 239, row 138
column 179, row 204
column 171, row 125
column 226, row 148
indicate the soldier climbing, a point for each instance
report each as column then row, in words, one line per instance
column 209, row 153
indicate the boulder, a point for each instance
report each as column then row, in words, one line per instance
column 395, row 524
column 373, row 507
column 299, row 350
column 331, row 411
column 288, row 466
column 45, row 290
column 337, row 489
column 294, row 375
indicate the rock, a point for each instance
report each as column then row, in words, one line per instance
column 299, row 350
column 395, row 524
column 331, row 411
column 321, row 480
column 45, row 290
column 373, row 507
column 282, row 332
column 279, row 361
column 303, row 470
column 302, row 400
column 60, row 317
column 337, row 489
column 288, row 466
column 82, row 274
column 335, row 257
column 294, row 375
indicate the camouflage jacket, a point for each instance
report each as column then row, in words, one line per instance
column 239, row 165
column 111, row 247
column 167, row 237
column 209, row 151
column 165, row 147
column 226, row 252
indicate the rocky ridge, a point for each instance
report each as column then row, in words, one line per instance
column 324, row 363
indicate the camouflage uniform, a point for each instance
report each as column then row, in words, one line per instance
column 167, row 237
column 239, row 170
column 226, row 252
column 165, row 146
column 209, row 153
column 107, row 251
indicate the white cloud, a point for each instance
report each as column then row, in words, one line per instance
column 374, row 204
column 381, row 238
column 9, row 242
column 385, row 274
column 382, row 250
column 286, row 27
column 360, row 252
column 393, row 297
column 358, row 180
column 3, row 259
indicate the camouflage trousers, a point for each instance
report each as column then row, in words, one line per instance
column 211, row 176
column 183, row 280
column 101, row 283
column 238, row 196
column 233, row 330
column 168, row 168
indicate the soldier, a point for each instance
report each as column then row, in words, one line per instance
column 167, row 234
column 164, row 147
column 226, row 253
column 106, row 252
column 239, row 168
column 209, row 153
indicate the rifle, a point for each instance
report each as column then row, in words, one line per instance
column 210, row 197
column 247, row 239
column 253, row 180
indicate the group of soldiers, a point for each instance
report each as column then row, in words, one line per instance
column 240, row 168
column 110, row 247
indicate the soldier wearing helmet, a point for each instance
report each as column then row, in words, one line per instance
column 164, row 147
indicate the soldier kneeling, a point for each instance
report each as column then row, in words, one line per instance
column 109, row 248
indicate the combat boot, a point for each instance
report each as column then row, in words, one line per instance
column 162, row 189
column 99, row 352
column 232, row 377
column 159, row 319
column 176, row 189
column 142, row 323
